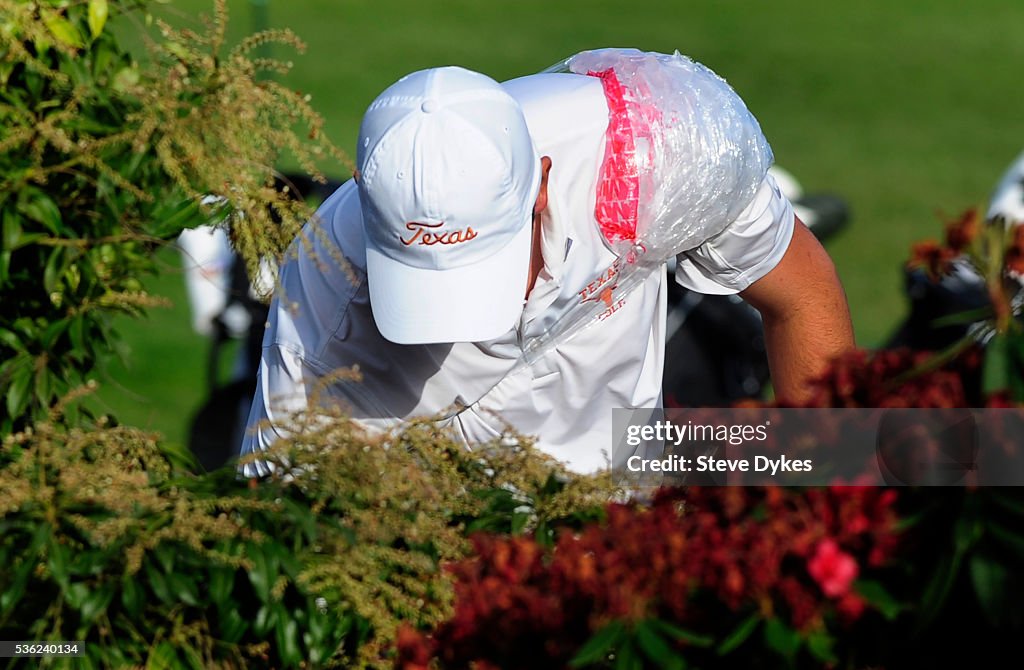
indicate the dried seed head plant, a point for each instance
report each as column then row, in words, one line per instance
column 106, row 155
column 112, row 541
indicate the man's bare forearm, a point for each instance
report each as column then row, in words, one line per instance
column 801, row 345
column 806, row 316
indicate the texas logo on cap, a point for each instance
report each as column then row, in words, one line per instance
column 448, row 177
column 433, row 236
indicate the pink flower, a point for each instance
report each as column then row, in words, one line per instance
column 832, row 568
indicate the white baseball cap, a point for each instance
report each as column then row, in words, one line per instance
column 448, row 179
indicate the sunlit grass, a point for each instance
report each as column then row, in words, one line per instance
column 904, row 108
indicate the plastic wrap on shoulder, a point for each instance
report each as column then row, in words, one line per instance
column 684, row 155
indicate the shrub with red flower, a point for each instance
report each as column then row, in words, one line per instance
column 698, row 572
column 895, row 378
column 698, row 561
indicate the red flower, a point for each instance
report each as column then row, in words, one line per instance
column 1014, row 260
column 961, row 232
column 691, row 552
column 934, row 258
column 414, row 649
column 851, row 606
column 832, row 568
column 888, row 379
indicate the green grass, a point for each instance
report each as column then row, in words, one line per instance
column 905, row 108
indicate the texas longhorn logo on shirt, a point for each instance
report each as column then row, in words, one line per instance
column 424, row 234
column 603, row 287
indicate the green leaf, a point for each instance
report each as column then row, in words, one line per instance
column 1012, row 540
column 995, row 372
column 53, row 332
column 961, row 318
column 552, row 485
column 654, row 647
column 54, row 269
column 263, row 572
column 545, row 535
column 184, row 587
column 97, row 16
column 820, row 644
column 104, row 58
column 968, row 527
column 875, row 594
column 304, row 518
column 158, row 583
column 125, row 79
column 782, row 638
column 287, row 631
column 232, row 625
column 939, row 586
column 77, row 332
column 57, row 554
column 41, row 208
column 992, row 586
column 193, row 659
column 740, row 635
column 12, row 229
column 627, row 658
column 76, row 595
column 689, row 637
column 284, row 560
column 912, row 519
column 163, row 657
column 15, row 588
column 165, row 554
column 519, row 521
column 96, row 602
column 63, row 30
column 17, row 392
column 172, row 220
column 132, row 596
column 42, row 386
column 11, row 339
column 598, row 647
column 266, row 618
column 222, row 581
column 316, row 631
column 1011, row 500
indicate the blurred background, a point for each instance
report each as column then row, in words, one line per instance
column 910, row 111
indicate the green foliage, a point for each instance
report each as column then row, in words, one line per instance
column 108, row 539
column 650, row 643
column 103, row 158
column 981, row 555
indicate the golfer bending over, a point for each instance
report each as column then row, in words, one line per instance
column 507, row 243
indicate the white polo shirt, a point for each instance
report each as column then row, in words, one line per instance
column 564, row 399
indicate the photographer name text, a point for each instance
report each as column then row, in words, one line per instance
column 675, row 463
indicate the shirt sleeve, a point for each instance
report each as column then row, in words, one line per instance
column 281, row 392
column 312, row 306
column 745, row 251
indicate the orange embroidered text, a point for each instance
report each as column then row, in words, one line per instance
column 427, row 235
column 602, row 287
